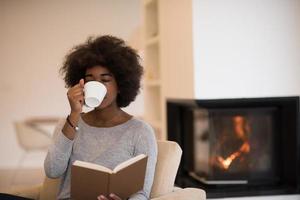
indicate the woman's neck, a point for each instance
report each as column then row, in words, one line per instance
column 107, row 117
column 105, row 114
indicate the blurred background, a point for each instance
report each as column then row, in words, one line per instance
column 35, row 37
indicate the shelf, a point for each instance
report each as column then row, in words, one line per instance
column 152, row 68
column 152, row 103
column 167, row 55
column 151, row 18
column 152, row 83
column 154, row 110
column 148, row 2
column 152, row 41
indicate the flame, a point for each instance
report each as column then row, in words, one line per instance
column 241, row 128
column 225, row 163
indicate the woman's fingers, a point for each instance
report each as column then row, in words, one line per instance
column 75, row 98
column 114, row 197
column 75, row 89
column 74, row 92
column 78, row 98
column 111, row 197
column 77, row 93
column 102, row 197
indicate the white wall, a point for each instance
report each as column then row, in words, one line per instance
column 246, row 48
column 35, row 36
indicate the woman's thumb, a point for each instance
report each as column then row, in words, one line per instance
column 81, row 82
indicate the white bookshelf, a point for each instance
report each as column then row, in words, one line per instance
column 168, row 57
column 153, row 88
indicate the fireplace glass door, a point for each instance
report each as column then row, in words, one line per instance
column 235, row 146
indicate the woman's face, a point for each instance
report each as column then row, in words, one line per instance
column 101, row 74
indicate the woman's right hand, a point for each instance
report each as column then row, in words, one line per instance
column 76, row 97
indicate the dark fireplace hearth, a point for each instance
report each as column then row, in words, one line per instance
column 237, row 147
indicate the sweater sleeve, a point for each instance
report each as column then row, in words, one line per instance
column 146, row 144
column 59, row 153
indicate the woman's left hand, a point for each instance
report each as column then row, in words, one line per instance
column 111, row 197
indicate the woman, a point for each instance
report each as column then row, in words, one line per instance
column 106, row 135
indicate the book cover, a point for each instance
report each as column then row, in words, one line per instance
column 89, row 180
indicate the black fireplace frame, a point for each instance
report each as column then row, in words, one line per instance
column 290, row 144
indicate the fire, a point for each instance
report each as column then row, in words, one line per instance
column 245, row 148
column 241, row 129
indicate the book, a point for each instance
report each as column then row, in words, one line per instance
column 89, row 180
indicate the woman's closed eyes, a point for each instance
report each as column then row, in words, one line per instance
column 104, row 78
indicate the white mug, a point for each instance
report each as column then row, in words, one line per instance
column 94, row 93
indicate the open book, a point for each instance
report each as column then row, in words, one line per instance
column 89, row 180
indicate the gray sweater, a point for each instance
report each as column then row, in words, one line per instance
column 104, row 146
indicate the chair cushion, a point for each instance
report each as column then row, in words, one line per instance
column 186, row 193
column 31, row 192
column 168, row 159
column 50, row 189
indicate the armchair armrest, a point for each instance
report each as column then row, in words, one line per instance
column 183, row 194
column 32, row 192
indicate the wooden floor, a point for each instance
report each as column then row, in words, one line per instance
column 12, row 178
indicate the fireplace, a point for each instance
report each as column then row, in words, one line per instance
column 237, row 147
